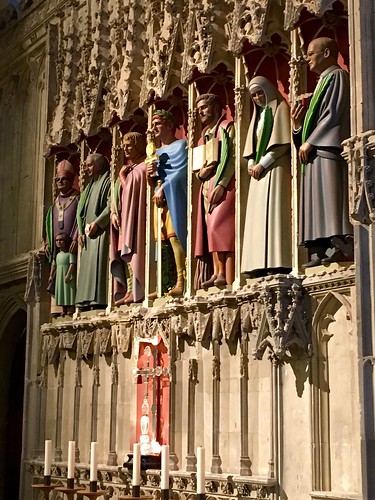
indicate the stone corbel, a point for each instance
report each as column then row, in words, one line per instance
column 250, row 309
column 87, row 342
column 104, row 339
column 52, row 348
column 359, row 154
column 283, row 327
column 68, row 339
column 225, row 316
column 199, row 318
column 121, row 336
column 164, row 328
column 179, row 317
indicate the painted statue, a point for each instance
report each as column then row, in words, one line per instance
column 324, row 213
column 93, row 215
column 267, row 241
column 128, row 217
column 171, row 191
column 61, row 217
column 63, row 274
column 215, row 241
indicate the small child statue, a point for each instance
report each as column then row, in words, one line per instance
column 63, row 270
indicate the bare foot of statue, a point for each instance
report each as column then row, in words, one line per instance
column 220, row 280
column 209, row 282
column 121, row 301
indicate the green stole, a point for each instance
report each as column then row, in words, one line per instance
column 224, row 155
column 81, row 206
column 313, row 109
column 265, row 134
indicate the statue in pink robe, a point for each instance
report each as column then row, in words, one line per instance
column 128, row 228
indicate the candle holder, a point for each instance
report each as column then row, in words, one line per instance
column 201, row 496
column 93, row 492
column 45, row 488
column 70, row 490
column 145, row 497
column 136, row 491
column 164, row 494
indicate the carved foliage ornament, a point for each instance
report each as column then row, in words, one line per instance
column 293, row 9
column 161, row 39
column 359, row 153
column 248, row 22
column 279, row 319
column 198, row 45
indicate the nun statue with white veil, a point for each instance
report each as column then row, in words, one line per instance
column 267, row 231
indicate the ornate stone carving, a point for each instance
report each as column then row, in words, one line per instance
column 193, row 371
column 216, row 368
column 34, row 277
column 122, row 332
column 68, row 339
column 51, row 347
column 87, row 343
column 104, row 339
column 225, row 316
column 162, row 20
column 199, row 318
column 359, row 153
column 282, row 324
column 293, row 9
column 198, row 44
column 248, row 22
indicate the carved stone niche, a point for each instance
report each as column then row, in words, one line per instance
column 273, row 313
column 359, row 153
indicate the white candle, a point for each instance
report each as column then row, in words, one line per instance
column 47, row 457
column 93, row 462
column 71, row 459
column 136, row 464
column 164, row 483
column 201, row 487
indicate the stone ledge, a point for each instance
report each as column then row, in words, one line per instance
column 14, row 270
column 332, row 495
column 117, row 480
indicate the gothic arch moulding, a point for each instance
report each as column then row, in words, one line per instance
column 8, row 309
column 163, row 39
column 294, row 8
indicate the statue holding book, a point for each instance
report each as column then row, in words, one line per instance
column 214, row 246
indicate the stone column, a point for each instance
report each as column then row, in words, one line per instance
column 59, row 407
column 95, row 390
column 191, row 459
column 245, row 462
column 216, row 459
column 173, row 459
column 77, row 399
column 112, row 456
column 360, row 151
